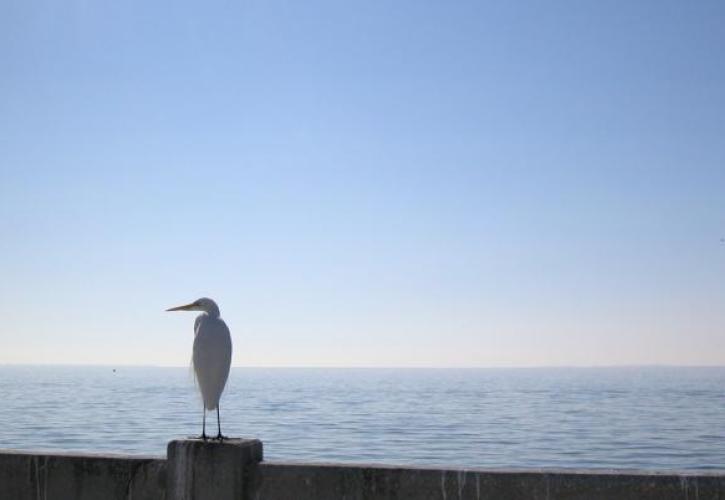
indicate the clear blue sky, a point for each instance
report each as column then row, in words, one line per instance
column 364, row 183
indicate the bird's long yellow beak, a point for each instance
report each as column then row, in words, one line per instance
column 187, row 307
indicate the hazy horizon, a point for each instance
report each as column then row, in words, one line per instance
column 408, row 183
column 372, row 367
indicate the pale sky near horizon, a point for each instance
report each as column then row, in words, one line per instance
column 364, row 183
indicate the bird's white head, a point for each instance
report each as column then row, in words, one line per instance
column 203, row 304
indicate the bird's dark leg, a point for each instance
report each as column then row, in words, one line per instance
column 219, row 436
column 203, row 426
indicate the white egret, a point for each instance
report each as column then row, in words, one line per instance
column 212, row 356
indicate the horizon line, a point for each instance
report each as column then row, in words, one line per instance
column 375, row 367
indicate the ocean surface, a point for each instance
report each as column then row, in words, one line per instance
column 646, row 418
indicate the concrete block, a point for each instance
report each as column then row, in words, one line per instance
column 211, row 470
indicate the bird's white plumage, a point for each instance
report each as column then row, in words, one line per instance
column 212, row 357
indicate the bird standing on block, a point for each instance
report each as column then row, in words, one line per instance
column 212, row 356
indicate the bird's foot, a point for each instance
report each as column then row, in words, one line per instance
column 203, row 437
column 220, row 437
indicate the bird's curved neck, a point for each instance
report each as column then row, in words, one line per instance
column 212, row 312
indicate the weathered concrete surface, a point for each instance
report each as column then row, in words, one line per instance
column 232, row 470
column 276, row 481
column 61, row 476
column 211, row 470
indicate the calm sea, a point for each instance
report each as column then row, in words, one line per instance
column 650, row 418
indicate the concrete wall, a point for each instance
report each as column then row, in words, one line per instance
column 276, row 481
column 51, row 476
column 234, row 470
